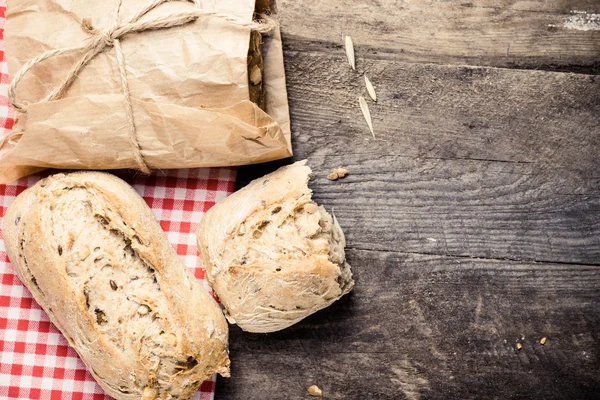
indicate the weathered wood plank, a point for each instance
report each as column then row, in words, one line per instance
column 434, row 327
column 559, row 34
column 445, row 111
column 465, row 208
column 472, row 220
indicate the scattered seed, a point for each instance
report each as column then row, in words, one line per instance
column 229, row 230
column 333, row 176
column 370, row 89
column 113, row 285
column 364, row 107
column 315, row 391
column 519, row 346
column 350, row 51
column 543, row 341
column 241, row 229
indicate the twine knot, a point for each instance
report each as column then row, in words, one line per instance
column 107, row 38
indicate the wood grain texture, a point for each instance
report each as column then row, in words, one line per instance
column 445, row 111
column 434, row 327
column 472, row 219
column 506, row 33
column 474, row 162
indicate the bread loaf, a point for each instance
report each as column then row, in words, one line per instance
column 271, row 254
column 92, row 254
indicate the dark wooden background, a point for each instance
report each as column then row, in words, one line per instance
column 473, row 218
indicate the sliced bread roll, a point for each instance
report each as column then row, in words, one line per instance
column 94, row 257
column 271, row 254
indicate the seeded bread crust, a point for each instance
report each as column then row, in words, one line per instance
column 94, row 257
column 271, row 254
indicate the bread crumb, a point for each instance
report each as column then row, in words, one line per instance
column 543, row 341
column 315, row 391
column 519, row 346
column 342, row 172
column 337, row 173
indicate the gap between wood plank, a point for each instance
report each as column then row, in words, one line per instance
column 471, row 257
column 294, row 43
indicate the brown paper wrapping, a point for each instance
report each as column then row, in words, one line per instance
column 189, row 91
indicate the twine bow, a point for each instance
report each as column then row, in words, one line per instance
column 111, row 37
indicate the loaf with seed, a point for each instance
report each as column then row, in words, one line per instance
column 94, row 257
column 271, row 254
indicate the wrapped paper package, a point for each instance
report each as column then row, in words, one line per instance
column 144, row 84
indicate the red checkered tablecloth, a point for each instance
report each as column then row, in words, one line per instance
column 36, row 361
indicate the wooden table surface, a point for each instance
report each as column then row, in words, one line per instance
column 472, row 219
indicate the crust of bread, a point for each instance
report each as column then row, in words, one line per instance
column 272, row 255
column 94, row 257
